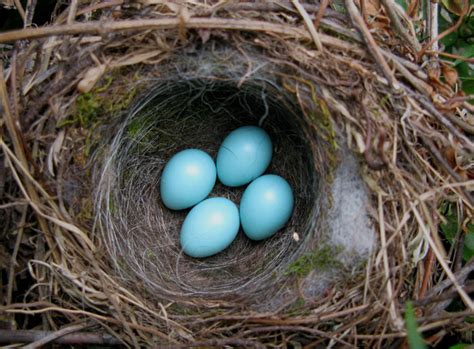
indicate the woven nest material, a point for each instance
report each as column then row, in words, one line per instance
column 372, row 144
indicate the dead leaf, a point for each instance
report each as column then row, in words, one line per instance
column 450, row 155
column 204, row 34
column 454, row 6
column 52, row 159
column 433, row 72
column 371, row 6
column 450, row 74
column 135, row 58
column 90, row 78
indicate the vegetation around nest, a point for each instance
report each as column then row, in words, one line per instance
column 82, row 150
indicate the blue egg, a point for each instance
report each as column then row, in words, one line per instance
column 243, row 156
column 209, row 227
column 187, row 179
column 266, row 206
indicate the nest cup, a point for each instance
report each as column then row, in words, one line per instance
column 197, row 109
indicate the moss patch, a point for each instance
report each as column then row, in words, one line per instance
column 324, row 258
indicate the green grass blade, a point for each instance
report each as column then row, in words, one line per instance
column 415, row 340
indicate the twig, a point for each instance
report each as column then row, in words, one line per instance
column 321, row 12
column 459, row 246
column 469, row 287
column 70, row 76
column 309, row 24
column 102, row 28
column 417, row 83
column 460, row 275
column 445, row 33
column 82, row 338
column 468, row 128
column 54, row 335
column 30, row 12
column 51, row 308
column 20, row 9
column 444, row 163
column 18, row 145
column 444, row 121
column 433, row 28
column 220, row 343
column 271, row 6
column 19, row 237
column 464, row 296
column 393, row 312
column 451, row 55
column 359, row 23
column 72, row 12
column 389, row 6
column 433, row 63
column 298, row 329
column 429, row 264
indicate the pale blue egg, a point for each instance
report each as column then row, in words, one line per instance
column 187, row 179
column 210, row 227
column 243, row 156
column 266, row 206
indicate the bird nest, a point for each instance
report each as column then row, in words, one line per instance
column 371, row 143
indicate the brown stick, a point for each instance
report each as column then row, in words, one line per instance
column 469, row 287
column 321, row 12
column 444, row 163
column 101, row 28
column 429, row 264
column 28, row 336
column 444, row 121
column 399, row 27
column 238, row 342
column 16, row 137
column 446, row 32
column 54, row 335
column 359, row 23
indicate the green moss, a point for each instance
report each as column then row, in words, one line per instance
column 324, row 258
column 88, row 109
column 105, row 99
column 149, row 253
column 326, row 124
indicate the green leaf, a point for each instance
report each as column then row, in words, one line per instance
column 450, row 40
column 465, row 50
column 459, row 346
column 469, row 243
column 415, row 340
column 402, row 3
column 450, row 228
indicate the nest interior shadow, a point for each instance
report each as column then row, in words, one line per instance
column 143, row 236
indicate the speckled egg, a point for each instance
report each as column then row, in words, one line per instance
column 243, row 156
column 266, row 206
column 187, row 179
column 210, row 227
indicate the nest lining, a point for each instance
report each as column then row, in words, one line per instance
column 142, row 234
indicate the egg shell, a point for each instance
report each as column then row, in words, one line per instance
column 266, row 206
column 210, row 227
column 243, row 156
column 187, row 179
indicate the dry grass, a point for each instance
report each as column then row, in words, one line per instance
column 401, row 124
